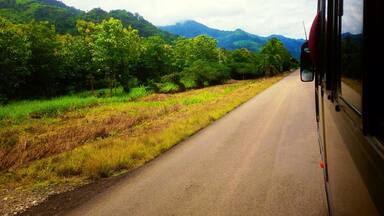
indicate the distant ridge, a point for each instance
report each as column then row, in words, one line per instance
column 232, row 39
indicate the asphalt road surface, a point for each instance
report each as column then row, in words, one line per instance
column 260, row 159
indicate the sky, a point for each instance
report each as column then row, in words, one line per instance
column 352, row 20
column 261, row 17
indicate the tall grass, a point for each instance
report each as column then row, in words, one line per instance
column 55, row 106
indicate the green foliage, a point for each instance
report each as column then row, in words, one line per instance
column 139, row 92
column 168, row 87
column 76, row 59
column 37, row 62
column 113, row 49
column 14, row 56
column 45, row 77
column 155, row 60
column 203, row 73
column 243, row 64
column 274, row 57
column 198, row 62
column 64, row 17
column 55, row 106
column 187, row 51
column 189, row 82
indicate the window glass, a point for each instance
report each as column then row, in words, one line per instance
column 351, row 52
column 380, row 132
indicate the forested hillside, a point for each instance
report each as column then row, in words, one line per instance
column 64, row 17
column 232, row 39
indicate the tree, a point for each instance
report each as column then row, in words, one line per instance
column 14, row 55
column 155, row 60
column 180, row 54
column 45, row 78
column 114, row 50
column 82, row 53
column 274, row 57
column 243, row 64
column 270, row 64
column 203, row 73
column 203, row 48
column 187, row 51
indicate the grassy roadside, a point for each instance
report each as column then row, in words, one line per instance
column 21, row 110
column 78, row 146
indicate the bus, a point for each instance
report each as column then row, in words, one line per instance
column 343, row 57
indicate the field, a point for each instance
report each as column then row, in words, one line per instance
column 55, row 145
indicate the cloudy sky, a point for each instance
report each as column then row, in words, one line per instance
column 262, row 17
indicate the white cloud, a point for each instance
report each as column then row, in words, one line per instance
column 263, row 17
column 353, row 16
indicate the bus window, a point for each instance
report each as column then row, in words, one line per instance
column 351, row 52
column 380, row 132
column 378, row 125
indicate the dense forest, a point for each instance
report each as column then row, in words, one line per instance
column 49, row 49
column 64, row 18
column 36, row 61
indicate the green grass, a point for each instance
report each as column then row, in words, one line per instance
column 112, row 137
column 169, row 88
column 55, row 106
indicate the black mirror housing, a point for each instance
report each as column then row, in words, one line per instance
column 307, row 72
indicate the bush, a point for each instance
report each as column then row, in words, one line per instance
column 188, row 82
column 139, row 92
column 168, row 87
column 171, row 78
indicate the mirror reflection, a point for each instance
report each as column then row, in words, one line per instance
column 306, row 67
column 307, row 75
column 351, row 52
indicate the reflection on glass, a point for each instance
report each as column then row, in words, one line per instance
column 351, row 52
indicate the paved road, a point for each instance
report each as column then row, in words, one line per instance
column 261, row 159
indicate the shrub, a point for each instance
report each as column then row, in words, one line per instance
column 139, row 92
column 168, row 87
column 188, row 82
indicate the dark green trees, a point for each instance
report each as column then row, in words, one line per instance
column 35, row 61
column 114, row 50
column 243, row 64
column 155, row 60
column 45, row 78
column 15, row 54
column 274, row 58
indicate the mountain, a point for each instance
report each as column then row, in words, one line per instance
column 64, row 17
column 232, row 39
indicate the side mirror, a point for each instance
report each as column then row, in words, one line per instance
column 307, row 72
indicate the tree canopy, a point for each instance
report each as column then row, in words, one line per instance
column 36, row 61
